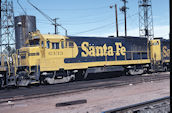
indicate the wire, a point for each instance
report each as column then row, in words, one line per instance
column 44, row 23
column 78, row 9
column 88, row 17
column 133, row 15
column 25, row 13
column 91, row 22
column 21, row 7
column 48, row 18
column 72, row 22
column 100, row 27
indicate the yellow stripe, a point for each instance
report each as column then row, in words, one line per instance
column 167, row 61
column 107, row 63
column 84, row 65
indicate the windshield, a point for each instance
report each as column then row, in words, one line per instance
column 34, row 43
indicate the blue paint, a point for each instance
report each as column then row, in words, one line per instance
column 130, row 43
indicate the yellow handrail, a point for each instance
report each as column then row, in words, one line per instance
column 15, row 62
column 2, row 62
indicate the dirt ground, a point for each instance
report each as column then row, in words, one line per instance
column 98, row 100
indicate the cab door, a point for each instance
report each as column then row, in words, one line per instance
column 155, row 50
column 71, row 49
column 42, row 48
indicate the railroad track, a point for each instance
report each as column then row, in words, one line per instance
column 160, row 105
column 73, row 87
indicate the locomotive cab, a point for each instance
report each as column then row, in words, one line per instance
column 43, row 56
column 30, row 55
column 160, row 54
column 29, row 61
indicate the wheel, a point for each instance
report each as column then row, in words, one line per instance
column 80, row 75
column 165, row 68
column 72, row 78
column 1, row 82
column 22, row 79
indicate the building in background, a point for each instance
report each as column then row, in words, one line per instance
column 23, row 25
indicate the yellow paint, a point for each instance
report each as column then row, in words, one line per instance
column 51, row 59
column 166, row 60
column 96, row 51
column 166, row 51
column 2, row 67
column 120, row 49
column 155, row 50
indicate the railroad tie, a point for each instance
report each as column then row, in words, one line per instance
column 71, row 103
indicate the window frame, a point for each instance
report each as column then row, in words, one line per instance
column 62, row 44
column 42, row 44
column 71, row 42
column 55, row 45
column 48, row 44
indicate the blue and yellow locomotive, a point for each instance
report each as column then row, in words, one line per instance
column 55, row 59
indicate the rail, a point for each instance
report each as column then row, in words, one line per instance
column 73, row 87
column 161, row 105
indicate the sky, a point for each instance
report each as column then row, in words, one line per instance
column 94, row 17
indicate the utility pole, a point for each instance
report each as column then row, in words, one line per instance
column 55, row 25
column 123, row 9
column 116, row 19
column 0, row 28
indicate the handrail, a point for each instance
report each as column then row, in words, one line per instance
column 2, row 61
column 18, row 57
column 140, row 53
column 8, row 64
column 132, row 54
column 15, row 62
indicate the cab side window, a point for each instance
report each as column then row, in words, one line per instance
column 42, row 44
column 48, row 44
column 71, row 44
column 55, row 45
column 62, row 44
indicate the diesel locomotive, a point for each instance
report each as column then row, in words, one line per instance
column 50, row 59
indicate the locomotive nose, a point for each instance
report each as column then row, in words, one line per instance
column 23, row 53
column 29, row 56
